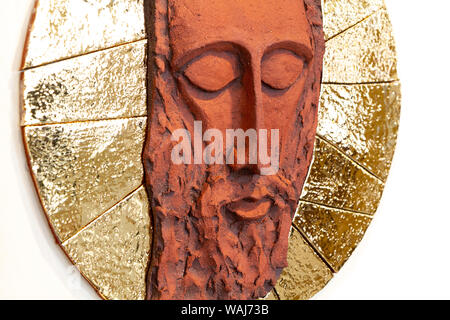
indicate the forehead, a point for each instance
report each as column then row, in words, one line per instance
column 255, row 24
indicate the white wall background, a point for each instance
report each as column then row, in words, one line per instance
column 405, row 253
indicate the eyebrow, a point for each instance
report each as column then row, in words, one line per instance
column 180, row 62
column 298, row 48
column 301, row 49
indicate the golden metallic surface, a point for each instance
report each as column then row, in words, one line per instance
column 83, row 169
column 364, row 53
column 271, row 296
column 67, row 28
column 306, row 274
column 113, row 251
column 334, row 233
column 336, row 181
column 362, row 121
column 103, row 85
column 84, row 61
column 340, row 15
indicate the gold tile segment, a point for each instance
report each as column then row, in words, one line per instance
column 271, row 296
column 364, row 53
column 334, row 233
column 83, row 169
column 103, row 85
column 337, row 181
column 362, row 121
column 113, row 251
column 306, row 274
column 65, row 28
column 340, row 15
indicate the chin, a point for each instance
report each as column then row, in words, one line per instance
column 245, row 242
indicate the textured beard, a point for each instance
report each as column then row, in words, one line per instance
column 211, row 253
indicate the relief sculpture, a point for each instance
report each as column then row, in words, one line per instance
column 242, row 79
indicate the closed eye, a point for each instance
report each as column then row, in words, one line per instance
column 281, row 68
column 213, row 71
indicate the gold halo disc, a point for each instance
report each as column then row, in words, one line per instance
column 84, row 119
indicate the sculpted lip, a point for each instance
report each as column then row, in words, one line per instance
column 250, row 208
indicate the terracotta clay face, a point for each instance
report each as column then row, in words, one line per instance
column 221, row 230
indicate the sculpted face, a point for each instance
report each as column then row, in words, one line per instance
column 221, row 228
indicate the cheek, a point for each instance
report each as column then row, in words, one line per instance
column 280, row 108
column 217, row 110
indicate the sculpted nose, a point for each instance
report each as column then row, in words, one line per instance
column 255, row 99
column 252, row 117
